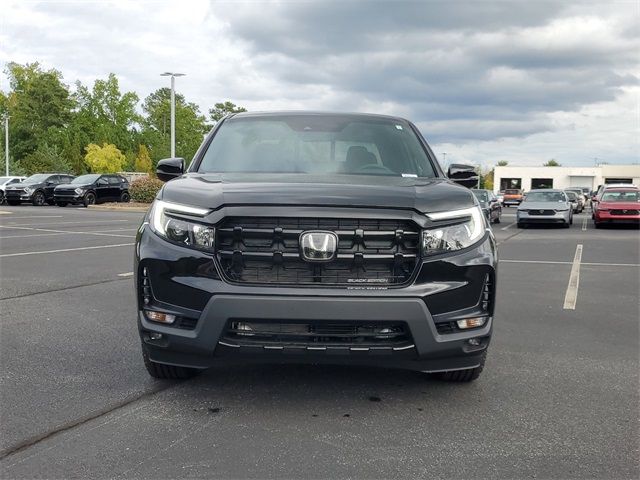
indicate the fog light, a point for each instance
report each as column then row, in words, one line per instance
column 160, row 317
column 474, row 342
column 155, row 336
column 245, row 328
column 471, row 322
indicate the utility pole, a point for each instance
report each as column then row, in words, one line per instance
column 6, row 145
column 444, row 158
column 173, row 76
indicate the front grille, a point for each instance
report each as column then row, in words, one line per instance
column 15, row 192
column 624, row 212
column 317, row 334
column 265, row 250
column 542, row 212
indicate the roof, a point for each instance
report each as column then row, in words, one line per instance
column 301, row 113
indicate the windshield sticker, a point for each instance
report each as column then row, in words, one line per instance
column 409, row 175
column 399, row 127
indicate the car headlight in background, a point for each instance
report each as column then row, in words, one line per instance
column 168, row 220
column 79, row 191
column 28, row 190
column 456, row 236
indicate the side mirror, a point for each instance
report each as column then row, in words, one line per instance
column 464, row 175
column 170, row 168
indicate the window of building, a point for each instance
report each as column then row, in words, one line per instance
column 506, row 183
column 541, row 183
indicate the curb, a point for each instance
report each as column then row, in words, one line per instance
column 119, row 209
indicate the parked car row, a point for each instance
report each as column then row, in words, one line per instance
column 614, row 204
column 62, row 189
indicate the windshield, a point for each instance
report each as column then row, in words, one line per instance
column 572, row 195
column 317, row 144
column 621, row 197
column 85, row 179
column 481, row 195
column 545, row 197
column 37, row 178
column 4, row 180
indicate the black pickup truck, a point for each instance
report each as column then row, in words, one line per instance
column 313, row 237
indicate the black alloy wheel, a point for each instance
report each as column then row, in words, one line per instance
column 38, row 199
column 89, row 199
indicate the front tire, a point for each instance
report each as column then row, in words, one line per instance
column 166, row 372
column 463, row 376
column 13, row 202
column 89, row 199
column 38, row 199
column 521, row 225
column 497, row 220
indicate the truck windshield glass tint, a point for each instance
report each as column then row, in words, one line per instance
column 317, row 145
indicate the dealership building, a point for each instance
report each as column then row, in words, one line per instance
column 528, row 178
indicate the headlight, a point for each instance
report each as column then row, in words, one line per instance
column 28, row 190
column 168, row 220
column 467, row 231
column 79, row 191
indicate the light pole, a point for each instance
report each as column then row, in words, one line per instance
column 173, row 76
column 6, row 144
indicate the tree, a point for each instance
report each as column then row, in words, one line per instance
column 143, row 160
column 46, row 158
column 191, row 126
column 502, row 163
column 105, row 115
column 40, row 107
column 551, row 163
column 222, row 109
column 105, row 159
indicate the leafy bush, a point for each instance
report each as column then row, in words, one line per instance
column 145, row 189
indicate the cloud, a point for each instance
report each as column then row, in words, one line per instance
column 488, row 77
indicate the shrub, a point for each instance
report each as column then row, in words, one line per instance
column 145, row 189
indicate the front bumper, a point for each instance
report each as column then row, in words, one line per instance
column 187, row 284
column 17, row 196
column 67, row 197
column 563, row 217
column 607, row 217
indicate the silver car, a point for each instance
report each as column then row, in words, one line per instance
column 545, row 206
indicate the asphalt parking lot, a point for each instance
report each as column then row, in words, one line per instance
column 558, row 398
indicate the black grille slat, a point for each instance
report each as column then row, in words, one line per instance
column 624, row 212
column 265, row 250
column 317, row 333
column 542, row 212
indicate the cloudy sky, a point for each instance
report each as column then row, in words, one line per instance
column 522, row 81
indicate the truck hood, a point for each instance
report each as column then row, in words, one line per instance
column 213, row 191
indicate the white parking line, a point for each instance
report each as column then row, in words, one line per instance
column 584, row 264
column 584, row 224
column 571, row 296
column 67, row 223
column 65, row 250
column 66, row 231
column 37, row 216
column 128, row 274
column 508, row 226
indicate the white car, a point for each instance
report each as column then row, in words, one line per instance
column 4, row 181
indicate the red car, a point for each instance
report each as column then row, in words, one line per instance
column 617, row 205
